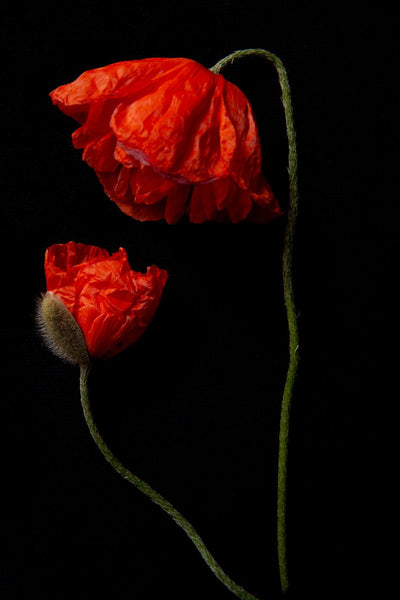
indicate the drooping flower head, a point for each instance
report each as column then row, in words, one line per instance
column 111, row 304
column 167, row 136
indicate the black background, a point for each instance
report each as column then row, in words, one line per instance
column 193, row 407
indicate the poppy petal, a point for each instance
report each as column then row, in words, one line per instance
column 112, row 304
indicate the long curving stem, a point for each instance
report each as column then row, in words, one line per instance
column 152, row 494
column 288, row 296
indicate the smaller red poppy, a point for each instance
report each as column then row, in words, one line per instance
column 112, row 304
column 167, row 136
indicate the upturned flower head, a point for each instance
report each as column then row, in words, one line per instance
column 95, row 304
column 167, row 136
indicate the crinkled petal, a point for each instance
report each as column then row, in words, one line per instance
column 114, row 312
column 113, row 82
column 99, row 153
column 145, row 195
column 63, row 261
column 112, row 304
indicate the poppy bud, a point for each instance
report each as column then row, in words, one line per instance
column 60, row 332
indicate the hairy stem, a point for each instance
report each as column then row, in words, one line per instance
column 153, row 495
column 288, row 296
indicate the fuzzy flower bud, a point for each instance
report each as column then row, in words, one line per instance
column 60, row 332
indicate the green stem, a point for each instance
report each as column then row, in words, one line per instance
column 153, row 495
column 288, row 296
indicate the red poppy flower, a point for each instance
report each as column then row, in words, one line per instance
column 167, row 136
column 112, row 304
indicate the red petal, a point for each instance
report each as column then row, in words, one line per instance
column 112, row 304
column 62, row 262
column 116, row 81
column 115, row 310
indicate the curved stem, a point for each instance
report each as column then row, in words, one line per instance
column 288, row 296
column 153, row 495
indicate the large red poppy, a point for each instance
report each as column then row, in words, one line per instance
column 167, row 136
column 112, row 304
